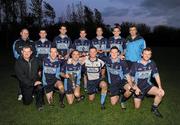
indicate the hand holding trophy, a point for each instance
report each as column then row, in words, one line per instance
column 72, row 78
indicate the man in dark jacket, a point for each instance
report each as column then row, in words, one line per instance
column 26, row 68
column 17, row 47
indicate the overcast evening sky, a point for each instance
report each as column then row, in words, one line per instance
column 151, row 12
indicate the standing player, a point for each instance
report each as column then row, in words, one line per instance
column 17, row 47
column 117, row 71
column 42, row 46
column 63, row 43
column 71, row 72
column 21, row 42
column 51, row 77
column 100, row 43
column 117, row 40
column 134, row 46
column 141, row 73
column 95, row 70
column 82, row 45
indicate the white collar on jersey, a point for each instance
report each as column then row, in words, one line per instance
column 119, row 37
column 99, row 37
column 140, row 61
column 82, row 39
column 63, row 36
column 117, row 60
column 43, row 40
column 56, row 59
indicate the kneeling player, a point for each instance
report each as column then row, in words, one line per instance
column 117, row 71
column 72, row 74
column 95, row 74
column 141, row 73
column 51, row 77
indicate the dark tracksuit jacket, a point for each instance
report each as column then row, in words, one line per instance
column 27, row 73
column 19, row 44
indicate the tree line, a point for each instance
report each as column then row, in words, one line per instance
column 34, row 14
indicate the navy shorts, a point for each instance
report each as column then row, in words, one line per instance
column 144, row 90
column 49, row 88
column 93, row 86
column 116, row 88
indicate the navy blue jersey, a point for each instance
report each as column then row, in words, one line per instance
column 51, row 71
column 19, row 44
column 73, row 70
column 141, row 73
column 82, row 45
column 63, row 45
column 42, row 49
column 116, row 70
column 101, row 44
column 120, row 43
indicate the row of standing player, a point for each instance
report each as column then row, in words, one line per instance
column 132, row 50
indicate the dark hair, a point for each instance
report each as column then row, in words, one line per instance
column 62, row 25
column 27, row 47
column 100, row 28
column 53, row 47
column 147, row 49
column 92, row 48
column 114, row 47
column 82, row 29
column 133, row 25
column 24, row 29
column 73, row 52
column 117, row 27
column 42, row 29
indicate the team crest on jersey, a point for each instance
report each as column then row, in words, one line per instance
column 139, row 68
column 149, row 67
column 70, row 68
column 116, row 67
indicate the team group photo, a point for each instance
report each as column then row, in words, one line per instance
column 86, row 72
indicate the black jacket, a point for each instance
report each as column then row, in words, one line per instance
column 27, row 72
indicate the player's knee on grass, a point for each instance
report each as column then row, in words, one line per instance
column 114, row 100
column 137, row 103
column 60, row 86
column 91, row 97
column 77, row 92
column 70, row 99
column 49, row 96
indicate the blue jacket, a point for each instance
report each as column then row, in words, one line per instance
column 134, row 48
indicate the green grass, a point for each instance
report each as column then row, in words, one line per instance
column 13, row 112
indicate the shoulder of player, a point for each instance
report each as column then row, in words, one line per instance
column 111, row 38
column 31, row 40
column 76, row 40
column 94, row 39
column 152, row 62
column 101, row 61
column 56, row 38
column 18, row 41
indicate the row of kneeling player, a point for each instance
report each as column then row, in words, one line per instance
column 110, row 76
